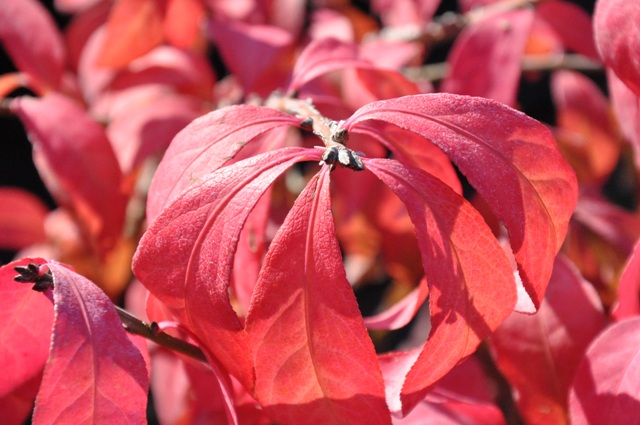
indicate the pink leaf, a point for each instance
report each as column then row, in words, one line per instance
column 605, row 388
column 550, row 343
column 80, row 163
column 626, row 105
column 578, row 36
column 485, row 59
column 402, row 312
column 305, row 328
column 206, row 144
column 618, row 39
column 241, row 43
column 472, row 289
column 192, row 277
column 38, row 53
column 21, row 219
column 94, row 373
column 26, row 319
column 533, row 198
column 628, row 304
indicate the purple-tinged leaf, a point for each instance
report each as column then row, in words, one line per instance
column 605, row 388
column 94, row 373
column 550, row 343
column 305, row 328
column 533, row 198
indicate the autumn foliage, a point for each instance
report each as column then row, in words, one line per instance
column 285, row 212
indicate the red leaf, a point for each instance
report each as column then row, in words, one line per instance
column 628, row 304
column 133, row 29
column 485, row 59
column 402, row 312
column 192, row 276
column 502, row 162
column 241, row 43
column 183, row 24
column 79, row 165
column 617, row 37
column 471, row 284
column 40, row 53
column 206, row 144
column 26, row 319
column 578, row 36
column 550, row 343
column 305, row 328
column 94, row 373
column 605, row 389
column 21, row 219
column 626, row 105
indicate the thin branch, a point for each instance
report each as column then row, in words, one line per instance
column 449, row 25
column 575, row 62
column 151, row 332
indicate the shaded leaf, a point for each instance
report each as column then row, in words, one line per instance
column 41, row 53
column 94, row 372
column 628, row 304
column 605, row 388
column 533, row 198
column 471, row 285
column 192, row 275
column 304, row 322
column 550, row 343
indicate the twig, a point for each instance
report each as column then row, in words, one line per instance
column 575, row 62
column 136, row 326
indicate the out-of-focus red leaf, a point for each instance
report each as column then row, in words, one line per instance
column 147, row 128
column 206, row 144
column 586, row 132
column 550, row 344
column 183, row 71
column 626, row 105
column 486, row 58
column 41, row 53
column 240, row 44
column 628, row 304
column 85, row 172
column 26, row 319
column 617, row 38
column 184, row 22
column 133, row 29
column 74, row 6
column 405, row 12
column 305, row 328
column 94, row 372
column 401, row 313
column 471, row 285
column 21, row 219
column 605, row 388
column 533, row 198
column 192, row 277
column 330, row 23
column 81, row 27
column 578, row 36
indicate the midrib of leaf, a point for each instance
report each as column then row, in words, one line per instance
column 83, row 309
column 308, row 259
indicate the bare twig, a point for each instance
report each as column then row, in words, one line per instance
column 136, row 326
column 438, row 71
